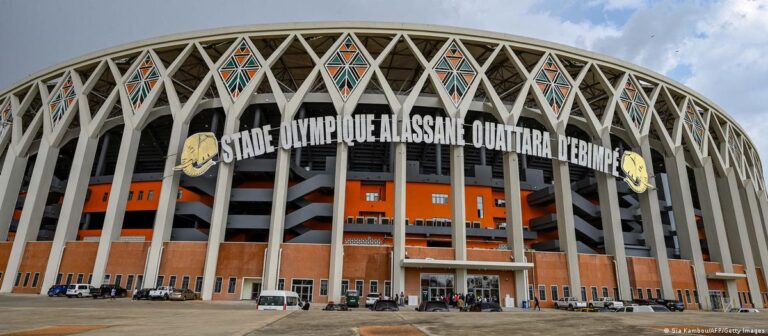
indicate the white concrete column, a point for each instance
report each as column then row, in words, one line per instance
column 736, row 228
column 515, row 239
column 714, row 225
column 398, row 231
column 220, row 212
column 566, row 230
column 32, row 213
column 277, row 220
column 755, row 228
column 613, row 235
column 166, row 205
column 685, row 220
column 72, row 206
column 458, row 211
column 118, row 198
column 337, row 227
column 11, row 178
column 652, row 228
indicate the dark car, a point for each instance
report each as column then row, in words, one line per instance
column 141, row 294
column 105, row 291
column 57, row 290
column 331, row 306
column 659, row 309
column 485, row 307
column 672, row 305
column 433, row 306
column 641, row 302
column 385, row 305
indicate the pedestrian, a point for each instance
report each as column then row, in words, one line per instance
column 536, row 303
column 397, row 299
column 113, row 293
column 402, row 299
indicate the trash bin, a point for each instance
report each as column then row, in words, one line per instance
column 524, row 304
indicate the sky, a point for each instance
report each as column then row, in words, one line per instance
column 718, row 48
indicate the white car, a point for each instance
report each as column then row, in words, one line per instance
column 570, row 303
column 606, row 303
column 79, row 290
column 743, row 310
column 644, row 309
column 161, row 293
column 278, row 300
column 371, row 299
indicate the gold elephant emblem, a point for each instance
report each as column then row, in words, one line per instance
column 197, row 155
column 635, row 172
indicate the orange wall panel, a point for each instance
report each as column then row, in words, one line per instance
column 439, row 253
column 238, row 260
column 183, row 259
column 78, row 258
column 34, row 261
column 489, row 255
column 125, row 258
column 315, row 264
column 597, row 270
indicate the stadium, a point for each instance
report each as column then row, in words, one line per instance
column 286, row 156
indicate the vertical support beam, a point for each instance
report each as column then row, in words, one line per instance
column 736, row 228
column 652, row 228
column 32, row 213
column 398, row 234
column 613, row 234
column 72, row 206
column 102, row 163
column 11, row 178
column 220, row 210
column 514, row 228
column 755, row 229
column 685, row 219
column 279, row 198
column 714, row 225
column 458, row 205
column 337, row 227
column 166, row 205
column 118, row 198
column 566, row 230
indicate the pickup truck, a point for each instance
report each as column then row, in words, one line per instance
column 570, row 303
column 105, row 291
column 606, row 303
column 160, row 293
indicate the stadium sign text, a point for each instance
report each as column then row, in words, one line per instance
column 201, row 148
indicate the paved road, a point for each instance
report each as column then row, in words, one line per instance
column 123, row 316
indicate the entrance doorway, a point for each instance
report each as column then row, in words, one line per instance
column 484, row 287
column 717, row 300
column 251, row 289
column 435, row 286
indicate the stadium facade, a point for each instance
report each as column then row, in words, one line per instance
column 113, row 171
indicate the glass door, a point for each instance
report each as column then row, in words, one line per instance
column 303, row 288
column 255, row 290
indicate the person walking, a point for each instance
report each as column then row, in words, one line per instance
column 536, row 303
column 113, row 293
column 402, row 299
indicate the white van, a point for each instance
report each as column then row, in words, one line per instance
column 79, row 290
column 278, row 300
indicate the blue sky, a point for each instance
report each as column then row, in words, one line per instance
column 718, row 48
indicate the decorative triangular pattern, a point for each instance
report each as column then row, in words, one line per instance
column 694, row 123
column 553, row 84
column 455, row 73
column 6, row 117
column 346, row 66
column 239, row 69
column 142, row 81
column 62, row 99
column 634, row 103
column 733, row 144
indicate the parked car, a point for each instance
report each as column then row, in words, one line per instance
column 606, row 303
column 278, row 300
column 161, row 293
column 433, row 306
column 570, row 303
column 385, row 305
column 743, row 310
column 672, row 305
column 371, row 298
column 636, row 309
column 57, row 290
column 485, row 307
column 331, row 306
column 79, row 290
column 142, row 294
column 659, row 309
column 353, row 298
column 105, row 291
column 179, row 294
